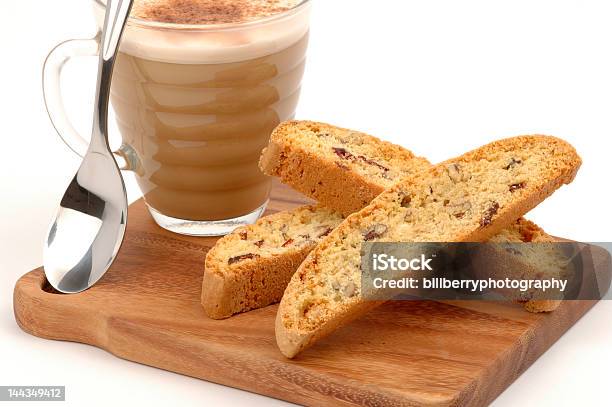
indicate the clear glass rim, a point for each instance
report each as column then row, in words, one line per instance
column 134, row 21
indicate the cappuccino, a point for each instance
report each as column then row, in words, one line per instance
column 196, row 104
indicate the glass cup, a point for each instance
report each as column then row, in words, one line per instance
column 195, row 105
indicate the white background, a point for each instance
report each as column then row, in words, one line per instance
column 438, row 77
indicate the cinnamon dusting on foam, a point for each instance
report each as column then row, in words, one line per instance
column 209, row 11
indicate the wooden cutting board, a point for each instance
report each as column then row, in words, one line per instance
column 147, row 309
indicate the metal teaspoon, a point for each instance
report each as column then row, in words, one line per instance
column 90, row 224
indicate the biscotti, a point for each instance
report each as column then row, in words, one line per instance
column 545, row 259
column 340, row 168
column 470, row 198
column 251, row 267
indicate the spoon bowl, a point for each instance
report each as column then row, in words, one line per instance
column 89, row 227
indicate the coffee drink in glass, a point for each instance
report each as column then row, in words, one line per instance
column 198, row 87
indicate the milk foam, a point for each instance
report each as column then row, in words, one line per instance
column 209, row 11
column 213, row 44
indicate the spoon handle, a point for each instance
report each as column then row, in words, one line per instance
column 117, row 13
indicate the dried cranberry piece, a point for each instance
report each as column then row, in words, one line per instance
column 243, row 235
column 372, row 162
column 406, row 201
column 259, row 243
column 343, row 153
column 346, row 155
column 326, row 232
column 242, row 257
column 489, row 213
column 516, row 187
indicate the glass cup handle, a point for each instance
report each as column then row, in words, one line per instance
column 52, row 92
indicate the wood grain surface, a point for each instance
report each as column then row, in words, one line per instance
column 147, row 309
